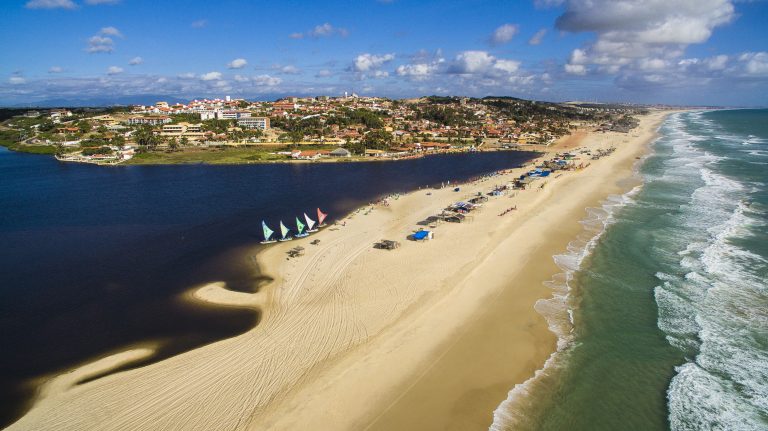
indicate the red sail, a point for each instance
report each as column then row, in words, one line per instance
column 320, row 217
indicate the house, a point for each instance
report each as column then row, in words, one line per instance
column 309, row 154
column 374, row 153
column 57, row 114
column 340, row 152
column 435, row 146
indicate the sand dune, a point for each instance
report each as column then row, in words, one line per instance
column 353, row 337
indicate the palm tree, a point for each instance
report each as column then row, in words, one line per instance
column 146, row 138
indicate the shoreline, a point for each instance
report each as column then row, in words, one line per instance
column 327, row 325
column 47, row 150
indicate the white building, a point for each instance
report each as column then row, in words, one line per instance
column 232, row 115
column 152, row 121
column 254, row 123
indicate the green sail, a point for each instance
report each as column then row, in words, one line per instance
column 299, row 225
column 267, row 231
column 284, row 230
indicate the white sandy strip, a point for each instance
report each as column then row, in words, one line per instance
column 343, row 328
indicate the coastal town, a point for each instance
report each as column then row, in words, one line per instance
column 344, row 128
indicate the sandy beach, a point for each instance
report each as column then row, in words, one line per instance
column 432, row 335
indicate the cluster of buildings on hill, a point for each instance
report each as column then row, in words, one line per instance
column 369, row 126
column 403, row 119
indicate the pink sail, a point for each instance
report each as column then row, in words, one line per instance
column 320, row 217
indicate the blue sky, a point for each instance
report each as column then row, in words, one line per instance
column 665, row 51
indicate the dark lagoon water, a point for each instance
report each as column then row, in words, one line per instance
column 94, row 259
column 670, row 310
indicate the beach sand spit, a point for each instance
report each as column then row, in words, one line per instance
column 431, row 335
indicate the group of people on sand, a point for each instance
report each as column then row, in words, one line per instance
column 508, row 210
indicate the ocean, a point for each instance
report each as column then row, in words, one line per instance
column 94, row 259
column 662, row 306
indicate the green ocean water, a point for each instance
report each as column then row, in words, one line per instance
column 667, row 294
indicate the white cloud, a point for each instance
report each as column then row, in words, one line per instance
column 110, row 31
column 98, row 2
column 651, row 64
column 321, row 30
column 504, row 34
column 575, row 69
column 507, row 66
column 241, row 78
column 187, row 75
column 327, row 29
column 135, row 61
column 537, row 37
column 237, row 63
column 267, row 81
column 199, row 23
column 114, row 70
column 717, row 62
column 325, row 73
column 636, row 36
column 17, row 80
column 210, row 76
column 417, row 72
column 97, row 44
column 755, row 63
column 380, row 74
column 55, row 69
column 472, row 62
column 289, row 70
column 51, row 4
column 367, row 62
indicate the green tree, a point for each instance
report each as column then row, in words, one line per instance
column 377, row 139
column 46, row 126
column 145, row 137
column 184, row 141
column 295, row 136
column 173, row 145
column 84, row 126
column 118, row 141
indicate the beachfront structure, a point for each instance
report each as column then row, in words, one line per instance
column 309, row 154
column 150, row 121
column 254, row 123
column 340, row 152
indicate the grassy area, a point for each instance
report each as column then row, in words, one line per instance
column 8, row 140
column 211, row 156
column 32, row 149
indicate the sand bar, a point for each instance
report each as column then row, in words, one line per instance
column 429, row 336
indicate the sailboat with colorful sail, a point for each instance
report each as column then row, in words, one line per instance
column 284, row 230
column 300, row 229
column 267, row 234
column 310, row 223
column 321, row 218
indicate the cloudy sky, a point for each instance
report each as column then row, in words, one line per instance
column 667, row 51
